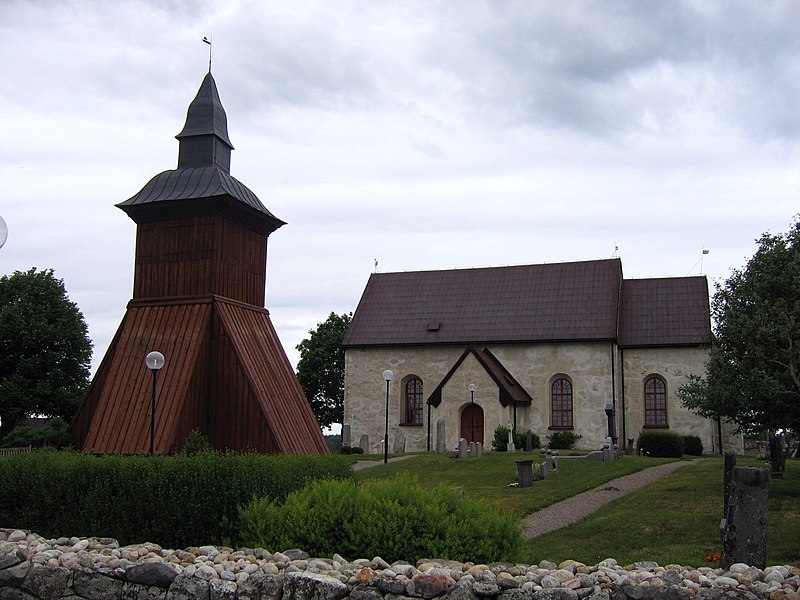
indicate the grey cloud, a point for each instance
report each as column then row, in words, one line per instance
column 309, row 64
column 599, row 67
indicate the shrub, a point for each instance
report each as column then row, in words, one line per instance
column 395, row 519
column 54, row 434
column 665, row 444
column 196, row 443
column 351, row 450
column 176, row 501
column 521, row 437
column 562, row 440
column 500, row 440
column 692, row 445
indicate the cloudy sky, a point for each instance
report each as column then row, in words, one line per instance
column 421, row 134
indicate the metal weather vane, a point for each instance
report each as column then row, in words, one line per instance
column 208, row 41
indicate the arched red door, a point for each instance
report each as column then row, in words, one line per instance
column 472, row 423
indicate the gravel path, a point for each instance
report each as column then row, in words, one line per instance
column 365, row 464
column 573, row 509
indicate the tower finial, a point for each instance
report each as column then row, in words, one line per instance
column 208, row 41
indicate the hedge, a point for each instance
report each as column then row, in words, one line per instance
column 175, row 501
column 664, row 444
column 692, row 445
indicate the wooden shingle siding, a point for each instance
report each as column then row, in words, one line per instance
column 225, row 374
column 197, row 256
column 118, row 402
column 271, row 378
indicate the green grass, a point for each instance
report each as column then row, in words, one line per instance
column 672, row 521
column 489, row 476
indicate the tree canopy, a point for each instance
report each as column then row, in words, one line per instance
column 321, row 368
column 44, row 349
column 753, row 373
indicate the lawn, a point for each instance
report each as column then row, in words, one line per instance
column 489, row 476
column 673, row 521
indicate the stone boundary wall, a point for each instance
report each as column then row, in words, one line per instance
column 34, row 568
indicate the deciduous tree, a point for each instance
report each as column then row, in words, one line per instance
column 321, row 368
column 44, row 349
column 753, row 374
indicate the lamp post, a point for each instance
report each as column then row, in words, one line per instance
column 387, row 376
column 471, row 389
column 154, row 361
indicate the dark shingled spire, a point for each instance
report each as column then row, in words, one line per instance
column 204, row 140
column 202, row 182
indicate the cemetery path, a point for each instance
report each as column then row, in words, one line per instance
column 577, row 507
column 365, row 464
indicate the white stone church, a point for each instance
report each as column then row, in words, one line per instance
column 544, row 348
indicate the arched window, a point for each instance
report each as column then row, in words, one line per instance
column 655, row 402
column 561, row 404
column 412, row 400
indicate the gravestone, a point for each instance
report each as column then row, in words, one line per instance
column 528, row 442
column 346, row 435
column 399, row 442
column 554, row 459
column 462, row 448
column 629, row 449
column 775, row 455
column 441, row 444
column 510, row 445
column 363, row 443
column 478, row 449
column 472, row 451
column 524, row 473
column 544, row 470
column 596, row 455
column 745, row 539
column 607, row 452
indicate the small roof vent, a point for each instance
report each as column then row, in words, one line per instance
column 434, row 325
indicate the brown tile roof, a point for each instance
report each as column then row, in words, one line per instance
column 577, row 301
column 510, row 391
column 664, row 312
column 529, row 303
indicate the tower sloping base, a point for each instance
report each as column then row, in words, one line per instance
column 225, row 375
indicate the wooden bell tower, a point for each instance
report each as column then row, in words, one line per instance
column 198, row 298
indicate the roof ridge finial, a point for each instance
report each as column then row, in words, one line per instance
column 208, row 41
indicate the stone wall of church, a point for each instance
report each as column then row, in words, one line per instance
column 365, row 392
column 588, row 366
column 673, row 365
